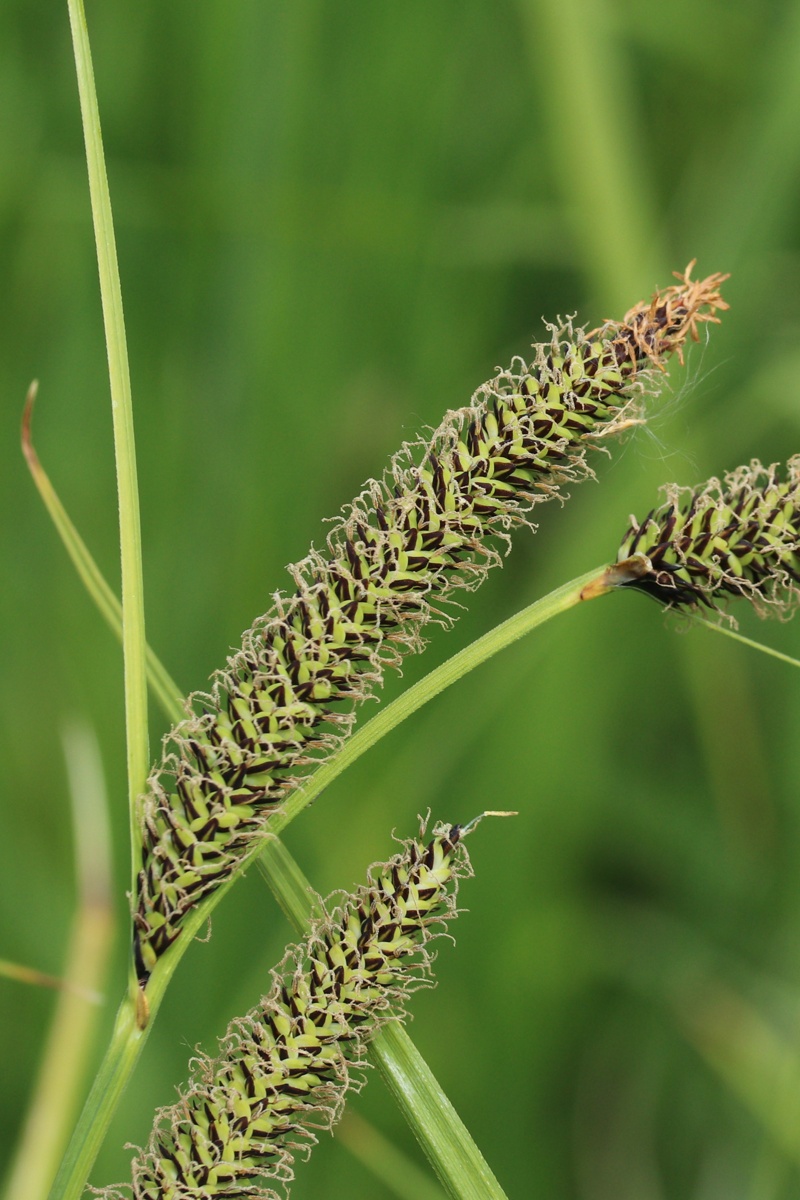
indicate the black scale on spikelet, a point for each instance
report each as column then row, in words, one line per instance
column 285, row 699
column 283, row 1070
column 735, row 537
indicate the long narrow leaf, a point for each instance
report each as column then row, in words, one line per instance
column 164, row 688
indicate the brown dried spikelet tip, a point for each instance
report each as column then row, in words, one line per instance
column 659, row 328
column 739, row 537
column 432, row 525
column 284, row 1069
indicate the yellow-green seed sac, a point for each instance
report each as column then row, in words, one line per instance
column 433, row 524
column 283, row 1070
column 736, row 537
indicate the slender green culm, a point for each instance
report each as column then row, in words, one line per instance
column 130, row 536
column 433, row 524
column 735, row 537
column 283, row 1070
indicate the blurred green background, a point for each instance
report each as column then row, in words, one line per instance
column 334, row 220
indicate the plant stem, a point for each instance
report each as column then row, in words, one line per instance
column 586, row 587
column 297, row 899
column 128, row 1036
column 455, row 1158
column 746, row 641
column 133, row 633
column 123, row 1051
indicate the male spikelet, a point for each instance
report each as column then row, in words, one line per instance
column 286, row 697
column 283, row 1070
column 736, row 537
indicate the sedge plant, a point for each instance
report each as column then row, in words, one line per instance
column 734, row 538
column 286, row 701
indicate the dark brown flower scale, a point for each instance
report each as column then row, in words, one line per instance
column 430, row 526
column 284, row 1069
column 738, row 537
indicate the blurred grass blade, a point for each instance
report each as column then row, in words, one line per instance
column 22, row 974
column 760, row 179
column 396, row 1171
column 758, row 1064
column 164, row 687
column 133, row 628
column 746, row 641
column 597, row 152
column 84, row 564
column 57, row 1090
column 688, row 38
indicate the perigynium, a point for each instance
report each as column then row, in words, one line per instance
column 431, row 525
column 739, row 536
column 283, row 1069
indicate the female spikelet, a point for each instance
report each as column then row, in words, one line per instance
column 735, row 537
column 286, row 697
column 284, row 1069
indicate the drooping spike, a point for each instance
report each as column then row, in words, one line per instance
column 285, row 700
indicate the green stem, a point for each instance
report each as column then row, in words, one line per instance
column 121, row 1056
column 297, row 899
column 585, row 587
column 129, row 1035
column 746, row 641
column 133, row 1024
column 133, row 634
column 457, row 1161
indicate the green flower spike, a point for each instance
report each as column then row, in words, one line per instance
column 739, row 537
column 283, row 1070
column 286, row 698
